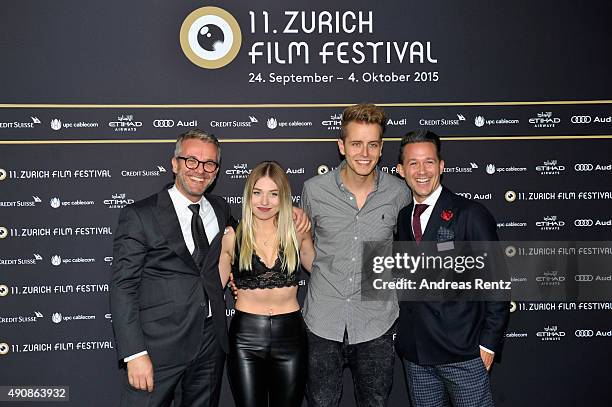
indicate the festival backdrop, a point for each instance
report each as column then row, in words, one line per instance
column 92, row 95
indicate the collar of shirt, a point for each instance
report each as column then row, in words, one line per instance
column 340, row 183
column 184, row 214
column 431, row 201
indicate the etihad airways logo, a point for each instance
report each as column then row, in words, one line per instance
column 550, row 223
column 118, row 201
column 544, row 119
column 334, row 122
column 551, row 333
column 550, row 167
column 125, row 124
column 550, row 278
column 239, row 171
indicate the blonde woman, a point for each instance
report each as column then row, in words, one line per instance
column 267, row 357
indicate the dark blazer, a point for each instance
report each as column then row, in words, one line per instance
column 433, row 333
column 157, row 293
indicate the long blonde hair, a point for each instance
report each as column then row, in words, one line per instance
column 287, row 238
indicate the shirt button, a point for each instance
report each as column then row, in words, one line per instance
column 202, row 304
column 348, row 300
column 355, row 237
column 353, row 259
column 356, row 216
column 350, row 279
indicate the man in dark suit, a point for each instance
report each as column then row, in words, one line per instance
column 447, row 347
column 166, row 293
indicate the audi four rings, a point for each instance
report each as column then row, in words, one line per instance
column 163, row 123
column 581, row 119
column 584, row 333
column 583, row 167
column 583, row 277
column 583, row 222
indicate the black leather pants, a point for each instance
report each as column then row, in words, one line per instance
column 267, row 359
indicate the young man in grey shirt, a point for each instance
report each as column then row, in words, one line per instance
column 354, row 203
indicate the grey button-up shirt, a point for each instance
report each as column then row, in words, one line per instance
column 333, row 302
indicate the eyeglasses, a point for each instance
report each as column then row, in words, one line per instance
column 193, row 163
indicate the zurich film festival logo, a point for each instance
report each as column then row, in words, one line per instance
column 210, row 37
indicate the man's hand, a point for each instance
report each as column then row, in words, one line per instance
column 232, row 286
column 300, row 220
column 487, row 358
column 140, row 373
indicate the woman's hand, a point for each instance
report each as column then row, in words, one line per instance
column 300, row 220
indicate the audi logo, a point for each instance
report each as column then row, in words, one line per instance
column 584, row 333
column 163, row 123
column 581, row 119
column 583, row 222
column 583, row 167
column 583, row 277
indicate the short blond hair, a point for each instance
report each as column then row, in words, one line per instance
column 364, row 113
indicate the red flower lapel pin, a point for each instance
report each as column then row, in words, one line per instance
column 446, row 215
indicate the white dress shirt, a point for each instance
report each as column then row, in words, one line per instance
column 184, row 214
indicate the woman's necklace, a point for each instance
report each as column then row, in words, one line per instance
column 270, row 240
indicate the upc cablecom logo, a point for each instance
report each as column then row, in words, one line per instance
column 210, row 37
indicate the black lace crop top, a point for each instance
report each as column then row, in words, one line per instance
column 261, row 276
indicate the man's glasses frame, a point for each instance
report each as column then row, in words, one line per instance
column 193, row 163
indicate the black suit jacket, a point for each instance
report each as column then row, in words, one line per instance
column 433, row 333
column 157, row 293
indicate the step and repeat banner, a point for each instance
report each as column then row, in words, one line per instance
column 92, row 96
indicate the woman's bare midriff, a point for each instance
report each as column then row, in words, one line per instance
column 268, row 301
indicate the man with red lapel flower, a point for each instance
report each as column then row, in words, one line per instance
column 447, row 348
